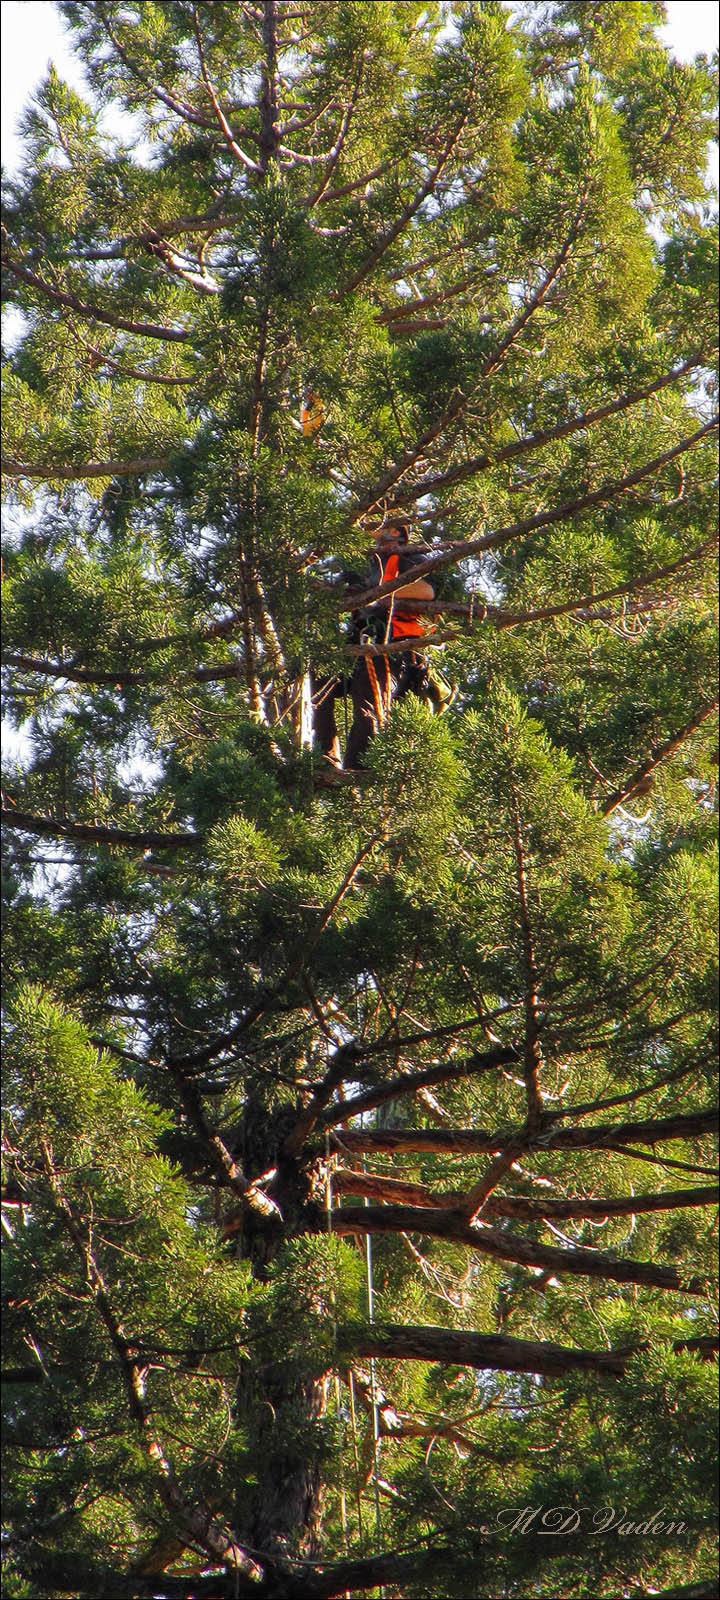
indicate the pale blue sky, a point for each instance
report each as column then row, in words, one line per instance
column 33, row 34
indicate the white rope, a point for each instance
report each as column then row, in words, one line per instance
column 328, row 1211
column 373, row 1389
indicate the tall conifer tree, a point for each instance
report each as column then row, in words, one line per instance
column 446, row 1037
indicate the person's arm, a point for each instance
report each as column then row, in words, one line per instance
column 420, row 588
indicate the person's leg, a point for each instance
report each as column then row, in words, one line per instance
column 324, row 693
column 372, row 689
column 426, row 682
column 364, row 716
column 413, row 678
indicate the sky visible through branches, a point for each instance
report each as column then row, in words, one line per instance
column 33, row 33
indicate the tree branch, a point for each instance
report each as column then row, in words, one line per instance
column 495, row 1352
column 269, row 114
column 149, row 330
column 662, row 1161
column 182, row 108
column 563, row 430
column 397, row 1191
column 393, row 1424
column 218, row 1542
column 247, row 1190
column 501, row 1245
column 335, row 152
column 407, row 215
column 342, row 1064
column 99, row 358
column 118, row 677
column 471, row 1141
column 223, row 1042
column 519, row 530
column 408, row 1082
column 588, row 1107
column 57, row 827
column 500, row 618
column 489, row 365
column 473, row 1202
column 405, row 308
column 294, row 1580
column 532, row 981
column 232, row 144
column 90, row 469
column 359, row 183
column 660, row 753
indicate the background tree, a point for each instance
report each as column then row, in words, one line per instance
column 463, row 1014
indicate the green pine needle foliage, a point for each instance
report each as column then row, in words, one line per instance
column 358, row 1149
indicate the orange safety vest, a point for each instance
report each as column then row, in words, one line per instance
column 405, row 624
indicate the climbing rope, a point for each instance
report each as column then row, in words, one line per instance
column 338, row 1406
column 370, row 1294
column 370, row 1291
column 307, row 714
column 373, row 1391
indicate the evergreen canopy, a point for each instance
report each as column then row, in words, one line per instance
column 447, row 1036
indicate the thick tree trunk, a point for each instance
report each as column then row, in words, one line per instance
column 288, row 1501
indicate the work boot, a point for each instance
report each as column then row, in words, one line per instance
column 439, row 692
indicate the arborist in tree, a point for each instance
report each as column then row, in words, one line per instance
column 377, row 681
